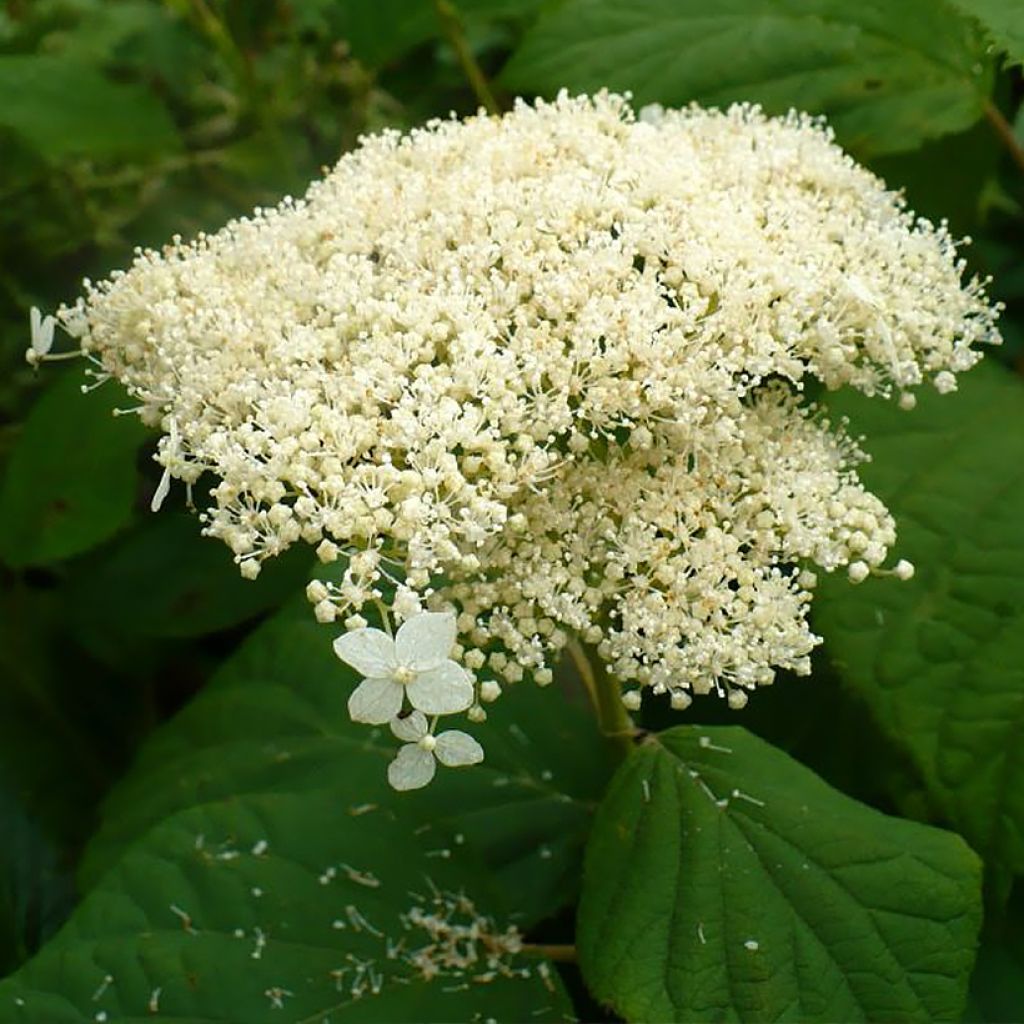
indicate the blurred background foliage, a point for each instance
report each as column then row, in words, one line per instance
column 125, row 122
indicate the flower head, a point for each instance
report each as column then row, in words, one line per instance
column 415, row 664
column 416, row 761
column 547, row 370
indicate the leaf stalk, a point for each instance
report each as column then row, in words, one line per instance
column 455, row 34
column 606, row 697
column 1005, row 131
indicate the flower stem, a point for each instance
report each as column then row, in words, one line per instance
column 1006, row 134
column 606, row 697
column 451, row 25
column 216, row 31
column 561, row 954
column 385, row 620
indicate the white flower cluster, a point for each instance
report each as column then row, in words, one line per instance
column 544, row 371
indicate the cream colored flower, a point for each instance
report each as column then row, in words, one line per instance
column 416, row 762
column 547, row 369
column 415, row 664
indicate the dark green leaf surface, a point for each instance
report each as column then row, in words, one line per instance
column 167, row 580
column 35, row 892
column 1003, row 20
column 64, row 730
column 887, row 75
column 274, row 720
column 726, row 882
column 70, row 482
column 410, row 23
column 65, row 108
column 359, row 25
column 262, row 908
column 940, row 658
column 997, row 986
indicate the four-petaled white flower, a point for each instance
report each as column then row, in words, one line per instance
column 416, row 762
column 414, row 663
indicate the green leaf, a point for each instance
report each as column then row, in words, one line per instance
column 969, row 162
column 240, row 909
column 726, row 882
column 940, row 659
column 65, row 108
column 167, row 580
column 997, row 985
column 381, row 32
column 70, row 482
column 377, row 33
column 274, row 719
column 64, row 732
column 65, row 728
column 117, row 34
column 887, row 75
column 1003, row 20
column 35, row 892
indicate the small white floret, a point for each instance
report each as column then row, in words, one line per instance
column 858, row 572
column 632, row 700
column 680, row 700
column 904, row 570
column 490, row 691
column 737, row 699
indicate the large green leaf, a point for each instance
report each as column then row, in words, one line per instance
column 1004, row 21
column 167, row 580
column 35, row 889
column 65, row 729
column 888, row 75
column 274, row 720
column 997, row 985
column 65, row 732
column 362, row 26
column 240, row 909
column 726, row 882
column 940, row 659
column 969, row 162
column 379, row 33
column 66, row 108
column 71, row 479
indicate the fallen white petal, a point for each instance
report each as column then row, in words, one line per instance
column 454, row 748
column 425, row 641
column 412, row 768
column 369, row 651
column 411, row 728
column 375, row 701
column 442, row 691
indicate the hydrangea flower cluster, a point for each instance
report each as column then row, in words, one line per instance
column 544, row 372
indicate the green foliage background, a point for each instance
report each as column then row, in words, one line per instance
column 833, row 853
